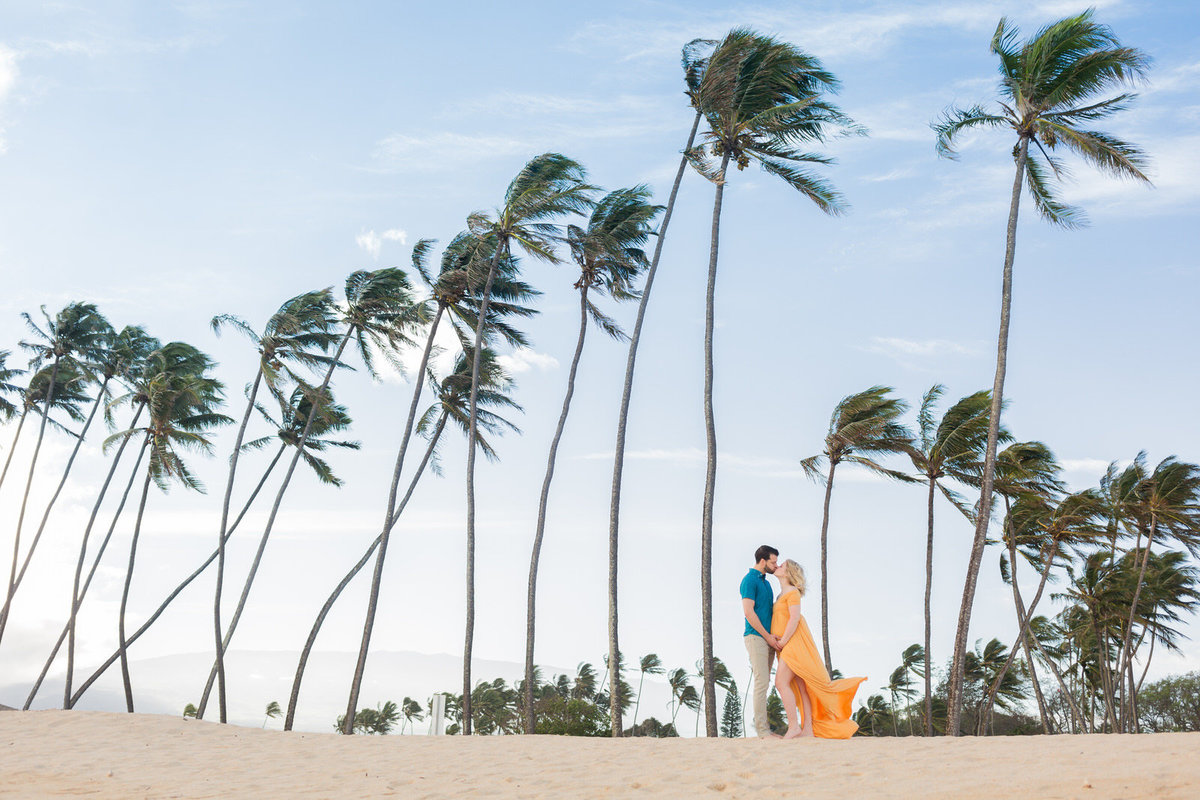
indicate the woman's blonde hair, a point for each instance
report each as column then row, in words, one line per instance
column 794, row 574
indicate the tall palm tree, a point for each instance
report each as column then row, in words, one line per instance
column 331, row 418
column 1050, row 88
column 695, row 61
column 452, row 394
column 377, row 315
column 182, row 414
column 411, row 710
column 8, row 409
column 608, row 252
column 913, row 661
column 450, row 293
column 298, row 333
column 763, row 100
column 650, row 664
column 952, row 449
column 862, row 427
column 75, row 336
column 549, row 187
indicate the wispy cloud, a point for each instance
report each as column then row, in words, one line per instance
column 918, row 348
column 8, row 79
column 523, row 360
column 758, row 465
column 1095, row 466
column 372, row 242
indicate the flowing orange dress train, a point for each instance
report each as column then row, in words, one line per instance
column 830, row 699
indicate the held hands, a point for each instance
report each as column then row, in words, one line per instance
column 774, row 641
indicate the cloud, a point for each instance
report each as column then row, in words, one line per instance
column 523, row 360
column 1092, row 465
column 8, row 79
column 399, row 152
column 373, row 242
column 918, row 348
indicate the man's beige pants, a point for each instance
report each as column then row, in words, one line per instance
column 762, row 655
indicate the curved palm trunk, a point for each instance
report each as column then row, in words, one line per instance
column 37, row 448
column 954, row 695
column 614, row 514
column 233, row 461
column 928, row 618
column 133, row 543
column 178, row 589
column 825, row 568
column 388, row 522
column 1023, row 618
column 541, row 520
column 710, row 475
column 316, row 628
column 12, row 448
column 1126, row 653
column 77, row 599
column 287, row 479
column 76, row 595
column 37, row 537
column 472, row 435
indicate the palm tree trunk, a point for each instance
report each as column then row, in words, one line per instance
column 37, row 448
column 928, row 598
column 710, row 475
column 954, row 697
column 472, row 437
column 58, row 490
column 637, row 706
column 233, row 461
column 287, row 479
column 316, row 628
column 541, row 519
column 137, row 530
column 1125, row 653
column 76, row 595
column 388, row 522
column 614, row 513
column 12, row 448
column 112, row 659
column 825, row 568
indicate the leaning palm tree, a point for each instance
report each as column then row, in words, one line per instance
column 73, row 338
column 1051, row 88
column 650, row 664
column 331, row 418
column 608, row 252
column 450, row 293
column 297, row 334
column 549, row 187
column 8, row 409
column 452, row 394
column 695, row 61
column 377, row 315
column 763, row 100
column 412, row 712
column 181, row 408
column 949, row 449
column 863, row 427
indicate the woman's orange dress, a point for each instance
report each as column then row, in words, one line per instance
column 831, row 699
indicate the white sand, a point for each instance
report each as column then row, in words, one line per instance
column 106, row 755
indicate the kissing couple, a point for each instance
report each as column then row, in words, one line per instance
column 776, row 630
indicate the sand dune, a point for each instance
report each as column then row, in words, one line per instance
column 106, row 755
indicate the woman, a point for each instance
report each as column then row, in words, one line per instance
column 801, row 677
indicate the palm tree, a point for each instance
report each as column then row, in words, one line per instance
column 330, row 418
column 762, row 99
column 377, row 314
column 8, row 409
column 72, row 338
column 452, row 394
column 273, row 712
column 1049, row 86
column 679, row 681
column 912, row 660
column 450, row 292
column 949, row 449
column 289, row 431
column 181, row 416
column 608, row 252
column 411, row 710
column 650, row 664
column 548, row 187
column 862, row 426
column 695, row 61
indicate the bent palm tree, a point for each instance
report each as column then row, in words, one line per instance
column 762, row 99
column 695, row 61
column 548, row 187
column 1049, row 87
column 862, row 427
column 608, row 252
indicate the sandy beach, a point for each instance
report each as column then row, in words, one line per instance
column 107, row 755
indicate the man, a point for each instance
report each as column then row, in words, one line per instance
column 757, row 602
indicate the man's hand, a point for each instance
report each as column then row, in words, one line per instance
column 773, row 640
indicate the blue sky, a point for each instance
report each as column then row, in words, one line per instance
column 172, row 161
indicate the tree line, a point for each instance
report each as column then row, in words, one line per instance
column 755, row 99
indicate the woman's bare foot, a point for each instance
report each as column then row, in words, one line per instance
column 806, row 733
column 794, row 733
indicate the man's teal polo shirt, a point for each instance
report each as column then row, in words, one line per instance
column 756, row 588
